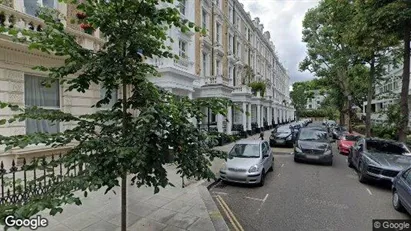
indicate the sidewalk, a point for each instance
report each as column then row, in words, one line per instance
column 172, row 209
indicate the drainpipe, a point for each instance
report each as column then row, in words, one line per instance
column 212, row 39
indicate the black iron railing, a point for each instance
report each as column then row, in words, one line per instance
column 19, row 184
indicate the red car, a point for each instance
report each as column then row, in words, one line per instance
column 346, row 141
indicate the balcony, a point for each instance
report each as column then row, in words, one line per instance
column 183, row 63
column 12, row 18
column 242, row 90
column 206, row 40
column 213, row 80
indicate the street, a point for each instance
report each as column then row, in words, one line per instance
column 299, row 196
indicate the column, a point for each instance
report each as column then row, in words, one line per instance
column 230, row 120
column 249, row 118
column 220, row 122
column 269, row 115
column 244, row 116
column 259, row 116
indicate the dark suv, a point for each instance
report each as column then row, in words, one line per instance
column 378, row 159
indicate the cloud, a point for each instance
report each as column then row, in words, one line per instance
column 283, row 19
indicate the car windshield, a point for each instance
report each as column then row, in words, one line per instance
column 283, row 130
column 351, row 138
column 387, row 148
column 312, row 134
column 245, row 151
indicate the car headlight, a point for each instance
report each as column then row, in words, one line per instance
column 223, row 168
column 253, row 168
column 298, row 150
column 327, row 152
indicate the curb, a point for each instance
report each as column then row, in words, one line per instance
column 214, row 213
column 212, row 184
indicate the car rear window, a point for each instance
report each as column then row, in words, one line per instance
column 351, row 137
column 386, row 147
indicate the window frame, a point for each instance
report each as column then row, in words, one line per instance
column 40, row 3
column 182, row 5
column 59, row 107
column 182, row 49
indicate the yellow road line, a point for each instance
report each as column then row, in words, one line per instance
column 227, row 214
column 231, row 214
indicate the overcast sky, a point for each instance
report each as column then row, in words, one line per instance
column 283, row 19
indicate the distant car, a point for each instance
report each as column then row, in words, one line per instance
column 401, row 191
column 378, row 159
column 345, row 142
column 283, row 136
column 323, row 128
column 313, row 145
column 338, row 131
column 248, row 162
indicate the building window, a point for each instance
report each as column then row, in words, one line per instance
column 238, row 49
column 230, row 72
column 218, row 32
column 182, row 6
column 204, row 64
column 113, row 99
column 230, row 42
column 205, row 19
column 36, row 94
column 182, row 49
column 230, row 14
column 309, row 106
column 238, row 23
column 218, row 67
column 395, row 85
column 32, row 7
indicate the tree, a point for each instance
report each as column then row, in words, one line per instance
column 328, row 55
column 393, row 18
column 299, row 96
column 373, row 47
column 134, row 136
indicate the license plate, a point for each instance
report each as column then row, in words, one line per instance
column 312, row 157
column 280, row 141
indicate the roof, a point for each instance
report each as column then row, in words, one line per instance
column 258, row 141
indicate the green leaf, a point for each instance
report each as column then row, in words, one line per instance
column 3, row 121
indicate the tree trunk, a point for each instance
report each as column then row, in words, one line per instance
column 348, row 116
column 124, row 177
column 369, row 98
column 342, row 118
column 403, row 128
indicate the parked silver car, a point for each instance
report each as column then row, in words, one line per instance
column 248, row 162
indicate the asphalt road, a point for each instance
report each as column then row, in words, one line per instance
column 299, row 196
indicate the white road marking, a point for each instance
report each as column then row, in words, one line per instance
column 346, row 160
column 282, row 165
column 279, row 174
column 256, row 199
column 369, row 191
column 221, row 193
column 262, row 203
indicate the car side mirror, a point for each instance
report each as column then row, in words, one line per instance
column 266, row 155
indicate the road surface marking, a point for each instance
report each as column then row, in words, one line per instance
column 346, row 160
column 282, row 165
column 256, row 199
column 227, row 214
column 221, row 193
column 230, row 213
column 279, row 174
column 369, row 191
column 262, row 203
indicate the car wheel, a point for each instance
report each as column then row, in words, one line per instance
column 271, row 167
column 296, row 160
column 262, row 180
column 330, row 163
column 396, row 202
column 361, row 175
column 349, row 161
